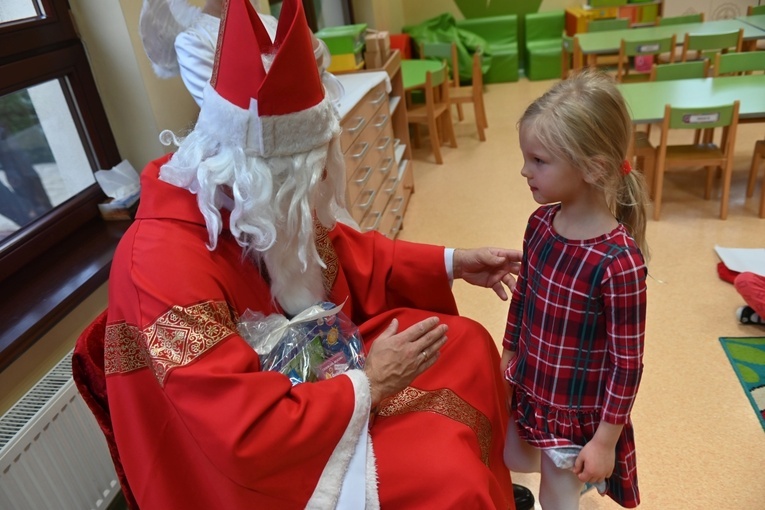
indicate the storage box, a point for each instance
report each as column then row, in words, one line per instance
column 344, row 39
column 377, row 49
column 346, row 62
column 378, row 42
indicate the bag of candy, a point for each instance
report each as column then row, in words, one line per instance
column 316, row 344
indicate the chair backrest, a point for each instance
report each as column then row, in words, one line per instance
column 443, row 51
column 544, row 26
column 436, row 80
column 739, row 63
column 755, row 9
column 719, row 42
column 679, row 20
column 643, row 54
column 700, row 117
column 601, row 25
column 571, row 55
column 680, row 70
column 477, row 73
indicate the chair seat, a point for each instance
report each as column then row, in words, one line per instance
column 694, row 155
column 420, row 113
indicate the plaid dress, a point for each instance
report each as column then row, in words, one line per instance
column 577, row 323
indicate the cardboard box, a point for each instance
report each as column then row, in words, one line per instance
column 378, row 42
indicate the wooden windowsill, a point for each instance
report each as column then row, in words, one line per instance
column 45, row 290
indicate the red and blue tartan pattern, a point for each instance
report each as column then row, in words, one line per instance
column 577, row 323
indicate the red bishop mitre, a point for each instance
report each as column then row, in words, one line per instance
column 292, row 83
column 276, row 109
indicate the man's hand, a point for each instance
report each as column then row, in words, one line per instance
column 488, row 267
column 395, row 359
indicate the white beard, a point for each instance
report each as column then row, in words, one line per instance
column 274, row 202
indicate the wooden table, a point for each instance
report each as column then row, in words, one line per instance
column 413, row 72
column 646, row 100
column 592, row 44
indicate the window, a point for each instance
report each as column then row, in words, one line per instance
column 53, row 136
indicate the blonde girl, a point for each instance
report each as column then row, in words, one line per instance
column 573, row 347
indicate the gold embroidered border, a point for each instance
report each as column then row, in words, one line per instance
column 175, row 339
column 327, row 253
column 446, row 403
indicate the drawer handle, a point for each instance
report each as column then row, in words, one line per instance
column 400, row 201
column 384, row 121
column 385, row 169
column 361, row 182
column 376, row 224
column 357, row 126
column 362, row 152
column 385, row 143
column 368, row 203
column 380, row 98
column 395, row 228
column 394, row 182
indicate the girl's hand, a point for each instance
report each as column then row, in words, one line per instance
column 595, row 462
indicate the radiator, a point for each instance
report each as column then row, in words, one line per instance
column 53, row 455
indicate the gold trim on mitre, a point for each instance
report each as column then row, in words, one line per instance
column 444, row 402
column 175, row 339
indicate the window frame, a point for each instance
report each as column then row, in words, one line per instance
column 52, row 264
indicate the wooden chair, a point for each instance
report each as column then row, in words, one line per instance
column 705, row 154
column 751, row 11
column 473, row 94
column 571, row 55
column 744, row 62
column 445, row 51
column 602, row 25
column 434, row 112
column 699, row 46
column 680, row 20
column 680, row 70
column 757, row 157
column 677, row 20
column 637, row 58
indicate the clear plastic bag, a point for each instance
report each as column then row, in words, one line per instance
column 317, row 344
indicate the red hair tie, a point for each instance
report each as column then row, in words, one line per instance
column 626, row 167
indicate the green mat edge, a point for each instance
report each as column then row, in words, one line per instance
column 723, row 343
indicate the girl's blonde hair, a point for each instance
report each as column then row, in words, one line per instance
column 584, row 121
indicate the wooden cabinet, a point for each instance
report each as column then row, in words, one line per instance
column 375, row 145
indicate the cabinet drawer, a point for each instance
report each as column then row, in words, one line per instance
column 388, row 176
column 362, row 153
column 393, row 217
column 367, row 187
column 355, row 122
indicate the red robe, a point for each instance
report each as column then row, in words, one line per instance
column 199, row 425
